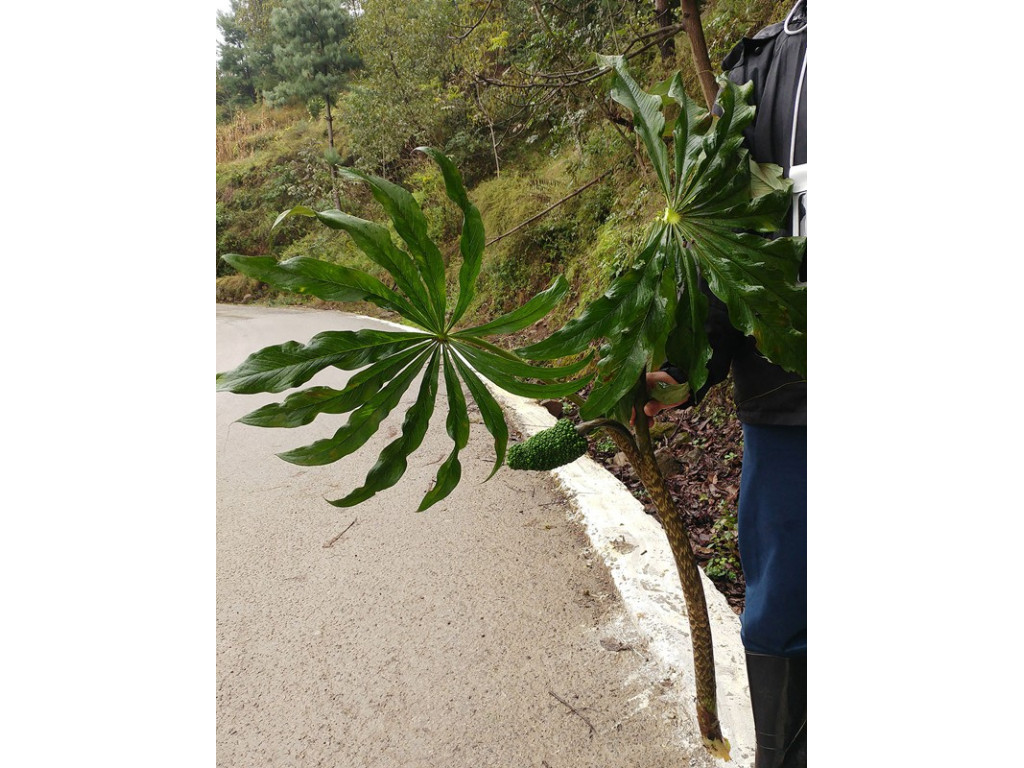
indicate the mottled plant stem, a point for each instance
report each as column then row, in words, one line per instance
column 640, row 454
column 586, row 427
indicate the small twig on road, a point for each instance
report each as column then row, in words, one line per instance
column 335, row 539
column 573, row 709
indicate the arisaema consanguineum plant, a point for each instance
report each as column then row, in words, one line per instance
column 390, row 361
column 719, row 205
column 717, row 200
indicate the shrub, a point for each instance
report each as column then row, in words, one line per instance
column 239, row 289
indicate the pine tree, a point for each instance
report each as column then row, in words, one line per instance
column 235, row 76
column 312, row 56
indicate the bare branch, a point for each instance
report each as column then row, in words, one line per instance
column 557, row 7
column 551, row 207
column 591, row 73
column 669, row 29
column 476, row 24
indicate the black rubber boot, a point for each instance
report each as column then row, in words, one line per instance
column 778, row 696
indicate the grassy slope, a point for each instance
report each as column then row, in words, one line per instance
column 269, row 160
column 587, row 238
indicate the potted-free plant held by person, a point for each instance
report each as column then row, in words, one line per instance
column 716, row 197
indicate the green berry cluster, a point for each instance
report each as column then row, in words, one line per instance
column 553, row 447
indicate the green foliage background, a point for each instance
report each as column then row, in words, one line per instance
column 423, row 80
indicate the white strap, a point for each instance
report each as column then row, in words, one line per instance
column 789, row 17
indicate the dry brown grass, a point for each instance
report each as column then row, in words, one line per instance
column 239, row 289
column 251, row 129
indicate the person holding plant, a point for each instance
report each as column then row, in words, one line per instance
column 771, row 404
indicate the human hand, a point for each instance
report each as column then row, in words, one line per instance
column 665, row 392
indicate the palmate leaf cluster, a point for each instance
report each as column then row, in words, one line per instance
column 389, row 362
column 717, row 200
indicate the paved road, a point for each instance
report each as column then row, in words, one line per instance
column 483, row 632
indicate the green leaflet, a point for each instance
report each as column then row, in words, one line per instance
column 764, row 214
column 687, row 347
column 729, row 261
column 457, row 423
column 626, row 299
column 670, row 394
column 719, row 144
column 282, row 366
column 393, row 460
column 532, row 311
column 362, row 424
column 490, row 412
column 300, row 408
column 471, row 243
column 633, row 346
column 765, row 178
column 448, row 476
column 375, row 242
column 450, row 472
column 686, row 134
column 504, row 373
column 774, row 309
column 726, row 184
column 647, row 118
column 512, row 365
column 411, row 226
column 668, row 293
column 330, row 282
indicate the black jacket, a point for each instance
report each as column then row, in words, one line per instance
column 764, row 393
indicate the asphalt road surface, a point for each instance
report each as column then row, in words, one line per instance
column 482, row 632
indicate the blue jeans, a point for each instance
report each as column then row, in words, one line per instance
column 772, row 524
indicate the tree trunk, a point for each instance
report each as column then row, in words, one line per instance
column 663, row 18
column 490, row 124
column 695, row 32
column 330, row 143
